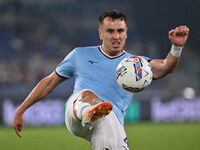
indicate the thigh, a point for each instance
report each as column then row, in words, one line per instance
column 74, row 125
column 109, row 133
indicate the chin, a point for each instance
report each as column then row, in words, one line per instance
column 116, row 51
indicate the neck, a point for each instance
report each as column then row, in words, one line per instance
column 110, row 53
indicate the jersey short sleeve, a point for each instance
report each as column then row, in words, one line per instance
column 147, row 58
column 67, row 67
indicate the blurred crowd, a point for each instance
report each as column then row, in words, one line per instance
column 31, row 43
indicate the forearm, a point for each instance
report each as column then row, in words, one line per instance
column 170, row 63
column 172, row 59
column 178, row 37
column 42, row 89
column 161, row 68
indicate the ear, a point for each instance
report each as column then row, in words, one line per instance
column 126, row 32
column 100, row 34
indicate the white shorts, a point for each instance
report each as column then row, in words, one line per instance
column 106, row 133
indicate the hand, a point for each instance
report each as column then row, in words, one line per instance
column 18, row 122
column 179, row 35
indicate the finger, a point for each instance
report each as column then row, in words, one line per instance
column 179, row 31
column 171, row 32
column 17, row 131
column 182, row 30
column 186, row 30
column 20, row 127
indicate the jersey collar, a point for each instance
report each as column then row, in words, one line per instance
column 111, row 57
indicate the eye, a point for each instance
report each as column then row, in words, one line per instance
column 120, row 30
column 110, row 30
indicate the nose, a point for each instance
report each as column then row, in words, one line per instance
column 115, row 35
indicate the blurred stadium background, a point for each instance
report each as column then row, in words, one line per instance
column 36, row 35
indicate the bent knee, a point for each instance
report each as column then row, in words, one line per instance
column 89, row 97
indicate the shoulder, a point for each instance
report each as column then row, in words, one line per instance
column 86, row 51
column 88, row 48
column 127, row 54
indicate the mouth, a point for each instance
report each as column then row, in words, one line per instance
column 116, row 44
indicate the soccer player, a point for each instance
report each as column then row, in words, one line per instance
column 97, row 107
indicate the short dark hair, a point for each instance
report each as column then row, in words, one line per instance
column 113, row 14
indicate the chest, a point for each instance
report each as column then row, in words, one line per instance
column 97, row 66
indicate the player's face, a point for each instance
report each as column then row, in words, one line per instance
column 113, row 34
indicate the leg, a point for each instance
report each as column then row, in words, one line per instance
column 88, row 108
column 73, row 123
column 109, row 134
column 85, row 97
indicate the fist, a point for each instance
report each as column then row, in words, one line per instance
column 179, row 35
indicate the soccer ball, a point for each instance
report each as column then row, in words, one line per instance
column 134, row 74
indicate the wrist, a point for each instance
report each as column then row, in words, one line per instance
column 176, row 50
column 19, row 111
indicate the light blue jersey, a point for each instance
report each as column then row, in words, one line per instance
column 96, row 71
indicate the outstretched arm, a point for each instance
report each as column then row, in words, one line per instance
column 162, row 67
column 42, row 89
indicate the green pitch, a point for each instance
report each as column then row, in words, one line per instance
column 141, row 136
